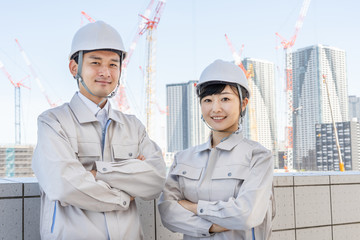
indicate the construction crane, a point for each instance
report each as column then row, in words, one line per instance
column 237, row 56
column 90, row 19
column 160, row 109
column 33, row 73
column 287, row 46
column 341, row 163
column 17, row 86
column 150, row 26
column 250, row 76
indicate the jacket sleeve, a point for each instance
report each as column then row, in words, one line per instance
column 174, row 216
column 144, row 179
column 250, row 206
column 62, row 177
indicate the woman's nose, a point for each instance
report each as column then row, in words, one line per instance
column 216, row 106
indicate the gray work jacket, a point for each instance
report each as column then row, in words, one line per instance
column 232, row 184
column 74, row 204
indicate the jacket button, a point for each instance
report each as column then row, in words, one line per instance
column 184, row 172
column 201, row 210
column 229, row 174
column 130, row 154
column 124, row 203
column 104, row 169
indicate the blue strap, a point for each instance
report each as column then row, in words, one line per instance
column 54, row 216
column 103, row 136
column 253, row 233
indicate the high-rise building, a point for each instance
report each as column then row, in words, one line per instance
column 354, row 108
column 184, row 125
column 15, row 161
column 310, row 100
column 327, row 157
column 260, row 122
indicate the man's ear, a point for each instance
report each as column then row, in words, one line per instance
column 73, row 67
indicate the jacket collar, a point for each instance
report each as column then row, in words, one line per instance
column 115, row 115
column 81, row 111
column 230, row 142
column 85, row 115
column 227, row 144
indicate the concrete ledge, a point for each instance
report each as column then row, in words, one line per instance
column 309, row 206
column 19, row 209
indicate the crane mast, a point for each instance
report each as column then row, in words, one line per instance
column 17, row 98
column 287, row 46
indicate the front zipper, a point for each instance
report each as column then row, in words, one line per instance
column 103, row 137
column 53, row 220
column 102, row 156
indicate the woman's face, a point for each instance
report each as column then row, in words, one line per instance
column 222, row 111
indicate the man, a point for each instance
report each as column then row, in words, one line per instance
column 92, row 161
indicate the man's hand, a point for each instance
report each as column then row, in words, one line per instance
column 216, row 228
column 93, row 173
column 192, row 207
column 141, row 157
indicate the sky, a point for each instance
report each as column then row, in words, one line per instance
column 189, row 37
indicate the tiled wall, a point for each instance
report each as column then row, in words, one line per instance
column 319, row 206
column 309, row 206
column 19, row 209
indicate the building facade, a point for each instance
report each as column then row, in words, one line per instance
column 260, row 122
column 184, row 125
column 310, row 99
column 15, row 161
column 327, row 157
column 354, row 108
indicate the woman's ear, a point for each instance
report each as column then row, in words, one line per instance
column 245, row 102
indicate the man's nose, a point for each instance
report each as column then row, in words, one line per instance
column 105, row 71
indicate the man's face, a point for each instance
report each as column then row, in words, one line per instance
column 100, row 72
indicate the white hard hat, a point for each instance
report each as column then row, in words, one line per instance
column 223, row 71
column 95, row 36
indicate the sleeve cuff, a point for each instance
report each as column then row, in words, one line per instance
column 102, row 168
column 124, row 200
column 206, row 231
column 203, row 207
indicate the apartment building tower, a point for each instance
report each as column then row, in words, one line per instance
column 260, row 122
column 184, row 125
column 310, row 99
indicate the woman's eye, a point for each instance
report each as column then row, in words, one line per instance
column 207, row 100
column 225, row 99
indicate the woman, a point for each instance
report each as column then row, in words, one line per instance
column 221, row 189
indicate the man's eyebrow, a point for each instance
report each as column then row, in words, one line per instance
column 99, row 58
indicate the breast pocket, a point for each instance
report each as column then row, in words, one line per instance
column 227, row 181
column 122, row 152
column 88, row 153
column 188, row 180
